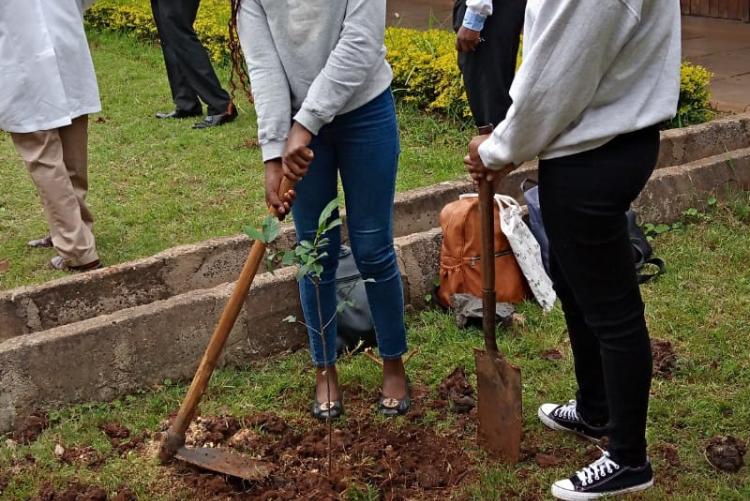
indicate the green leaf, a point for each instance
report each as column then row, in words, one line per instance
column 344, row 305
column 661, row 228
column 291, row 319
column 254, row 234
column 289, row 258
column 302, row 272
column 327, row 212
column 712, row 201
column 271, row 229
column 333, row 224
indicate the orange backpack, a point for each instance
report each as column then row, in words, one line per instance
column 460, row 256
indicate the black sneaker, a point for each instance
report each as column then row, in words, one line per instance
column 602, row 478
column 566, row 418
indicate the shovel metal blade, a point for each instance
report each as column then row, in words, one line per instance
column 499, row 406
column 226, row 462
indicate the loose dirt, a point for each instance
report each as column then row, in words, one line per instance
column 31, row 428
column 552, row 355
column 74, row 492
column 665, row 359
column 403, row 459
column 115, row 431
column 457, row 390
column 726, row 454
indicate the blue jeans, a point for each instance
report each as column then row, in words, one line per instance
column 363, row 146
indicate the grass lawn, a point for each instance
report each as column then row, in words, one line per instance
column 155, row 185
column 701, row 306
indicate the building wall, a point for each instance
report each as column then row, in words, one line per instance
column 725, row 9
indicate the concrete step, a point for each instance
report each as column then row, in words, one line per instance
column 211, row 263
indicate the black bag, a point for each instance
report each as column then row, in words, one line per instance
column 647, row 266
column 355, row 328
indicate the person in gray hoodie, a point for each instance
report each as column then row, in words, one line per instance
column 597, row 79
column 321, row 87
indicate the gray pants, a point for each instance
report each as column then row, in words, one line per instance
column 489, row 71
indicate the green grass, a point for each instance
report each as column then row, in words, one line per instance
column 155, row 184
column 702, row 305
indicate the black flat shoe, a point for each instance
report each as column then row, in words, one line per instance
column 177, row 114
column 327, row 410
column 217, row 120
column 392, row 407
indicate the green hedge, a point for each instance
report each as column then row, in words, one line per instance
column 424, row 62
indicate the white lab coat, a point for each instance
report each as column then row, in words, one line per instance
column 46, row 74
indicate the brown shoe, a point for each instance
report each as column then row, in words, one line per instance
column 41, row 243
column 58, row 263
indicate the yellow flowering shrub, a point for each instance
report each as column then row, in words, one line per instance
column 425, row 68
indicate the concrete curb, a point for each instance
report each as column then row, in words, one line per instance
column 207, row 264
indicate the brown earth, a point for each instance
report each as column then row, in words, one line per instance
column 74, row 492
column 115, row 431
column 665, row 359
column 456, row 389
column 726, row 454
column 402, row 459
column 31, row 428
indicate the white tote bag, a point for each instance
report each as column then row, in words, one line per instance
column 527, row 251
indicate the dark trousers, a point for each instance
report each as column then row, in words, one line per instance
column 488, row 72
column 583, row 199
column 189, row 69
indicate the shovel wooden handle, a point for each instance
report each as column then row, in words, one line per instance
column 176, row 434
column 487, row 218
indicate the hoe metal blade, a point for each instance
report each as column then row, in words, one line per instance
column 226, row 462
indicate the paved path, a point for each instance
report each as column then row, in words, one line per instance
column 724, row 48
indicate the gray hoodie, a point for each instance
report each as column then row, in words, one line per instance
column 311, row 60
column 592, row 70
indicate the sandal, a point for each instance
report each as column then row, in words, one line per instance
column 392, row 407
column 327, row 410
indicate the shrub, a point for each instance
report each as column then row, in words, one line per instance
column 695, row 96
column 425, row 70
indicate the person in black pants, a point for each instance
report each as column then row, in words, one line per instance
column 588, row 101
column 488, row 38
column 189, row 70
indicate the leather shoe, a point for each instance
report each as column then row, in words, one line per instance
column 58, row 263
column 180, row 114
column 217, row 120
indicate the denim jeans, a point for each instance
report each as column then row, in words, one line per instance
column 363, row 147
column 584, row 198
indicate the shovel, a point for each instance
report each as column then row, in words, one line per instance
column 218, row 460
column 498, row 382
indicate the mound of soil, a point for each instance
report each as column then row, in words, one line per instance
column 726, row 454
column 31, row 428
column 125, row 494
column 74, row 492
column 115, row 431
column 403, row 459
column 552, row 355
column 212, row 430
column 665, row 359
column 86, row 456
column 456, row 389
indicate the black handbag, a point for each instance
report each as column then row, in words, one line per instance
column 647, row 266
column 355, row 328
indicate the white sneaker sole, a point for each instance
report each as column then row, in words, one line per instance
column 567, row 495
column 552, row 424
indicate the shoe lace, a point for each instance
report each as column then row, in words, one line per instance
column 597, row 470
column 568, row 411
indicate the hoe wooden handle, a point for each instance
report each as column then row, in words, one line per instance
column 487, row 217
column 176, row 434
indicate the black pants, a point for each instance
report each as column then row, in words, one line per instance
column 188, row 66
column 583, row 199
column 488, row 72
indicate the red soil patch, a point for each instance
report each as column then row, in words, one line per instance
column 115, row 431
column 402, row 459
column 456, row 389
column 665, row 359
column 31, row 428
column 726, row 454
column 74, row 492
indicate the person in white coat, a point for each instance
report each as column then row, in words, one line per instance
column 48, row 90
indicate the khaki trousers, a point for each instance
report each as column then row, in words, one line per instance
column 57, row 160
